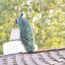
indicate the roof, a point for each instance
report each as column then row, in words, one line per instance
column 45, row 57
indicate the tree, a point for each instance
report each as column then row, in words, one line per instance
column 47, row 17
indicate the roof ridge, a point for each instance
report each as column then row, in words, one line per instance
column 45, row 50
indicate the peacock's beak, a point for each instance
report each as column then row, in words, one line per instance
column 16, row 21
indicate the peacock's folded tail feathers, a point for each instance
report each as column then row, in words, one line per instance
column 26, row 34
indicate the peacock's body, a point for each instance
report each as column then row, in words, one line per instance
column 25, row 33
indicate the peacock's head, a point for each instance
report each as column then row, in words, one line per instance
column 19, row 18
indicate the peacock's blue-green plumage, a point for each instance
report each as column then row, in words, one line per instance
column 25, row 33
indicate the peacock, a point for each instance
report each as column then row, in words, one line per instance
column 26, row 33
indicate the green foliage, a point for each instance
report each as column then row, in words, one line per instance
column 47, row 17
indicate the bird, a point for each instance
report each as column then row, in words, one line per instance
column 26, row 33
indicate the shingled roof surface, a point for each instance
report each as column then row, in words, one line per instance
column 45, row 57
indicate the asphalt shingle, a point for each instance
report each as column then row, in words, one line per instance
column 45, row 57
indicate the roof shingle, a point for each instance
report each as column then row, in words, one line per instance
column 45, row 57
